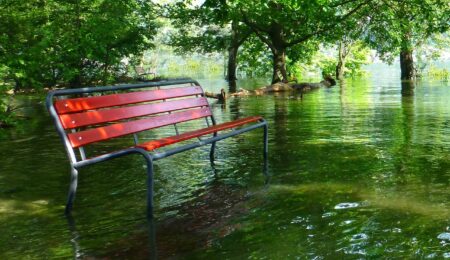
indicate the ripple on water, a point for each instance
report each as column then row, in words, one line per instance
column 359, row 237
column 347, row 222
column 299, row 219
column 444, row 236
column 347, row 205
column 328, row 214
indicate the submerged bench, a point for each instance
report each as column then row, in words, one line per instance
column 82, row 118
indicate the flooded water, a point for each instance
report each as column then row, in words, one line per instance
column 360, row 170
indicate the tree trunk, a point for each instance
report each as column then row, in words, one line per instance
column 17, row 85
column 279, row 66
column 340, row 69
column 341, row 62
column 232, row 62
column 407, row 65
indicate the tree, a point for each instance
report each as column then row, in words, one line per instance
column 20, row 50
column 283, row 24
column 209, row 27
column 400, row 26
column 71, row 41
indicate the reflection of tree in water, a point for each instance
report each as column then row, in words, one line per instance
column 407, row 88
column 404, row 154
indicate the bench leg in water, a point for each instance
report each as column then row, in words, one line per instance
column 211, row 152
column 266, row 142
column 265, row 154
column 72, row 190
column 213, row 149
column 149, row 188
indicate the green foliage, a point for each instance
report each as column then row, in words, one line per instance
column 404, row 25
column 76, row 42
column 201, row 28
column 254, row 59
column 438, row 73
column 294, row 29
column 358, row 56
column 431, row 51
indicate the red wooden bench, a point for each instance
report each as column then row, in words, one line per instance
column 82, row 119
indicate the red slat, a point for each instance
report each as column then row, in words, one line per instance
column 109, row 115
column 107, row 132
column 193, row 134
column 65, row 106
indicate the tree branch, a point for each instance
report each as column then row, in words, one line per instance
column 257, row 30
column 328, row 27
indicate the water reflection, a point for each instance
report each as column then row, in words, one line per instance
column 150, row 251
column 408, row 87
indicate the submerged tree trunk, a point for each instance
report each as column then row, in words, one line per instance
column 232, row 62
column 407, row 88
column 341, row 61
column 279, row 66
column 407, row 65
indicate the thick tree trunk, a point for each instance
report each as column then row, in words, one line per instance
column 232, row 62
column 407, row 65
column 279, row 66
column 232, row 52
column 238, row 36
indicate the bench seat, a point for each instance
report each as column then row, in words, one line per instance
column 154, row 144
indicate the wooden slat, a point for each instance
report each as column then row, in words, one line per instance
column 82, row 138
column 193, row 134
column 73, row 105
column 109, row 115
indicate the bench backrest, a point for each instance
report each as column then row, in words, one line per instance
column 99, row 118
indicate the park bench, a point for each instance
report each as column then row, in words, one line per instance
column 90, row 115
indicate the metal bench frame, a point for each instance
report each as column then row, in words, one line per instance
column 150, row 157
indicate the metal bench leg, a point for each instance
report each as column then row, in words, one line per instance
column 265, row 151
column 72, row 190
column 213, row 149
column 211, row 153
column 266, row 141
column 149, row 188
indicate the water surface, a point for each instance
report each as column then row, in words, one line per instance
column 360, row 170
